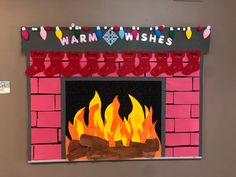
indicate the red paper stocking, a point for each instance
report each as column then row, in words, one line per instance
column 74, row 63
column 144, row 65
column 38, row 63
column 193, row 64
column 128, row 65
column 56, row 63
column 162, row 65
column 92, row 65
column 177, row 62
column 110, row 63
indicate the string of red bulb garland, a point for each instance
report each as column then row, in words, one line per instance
column 110, row 63
column 43, row 31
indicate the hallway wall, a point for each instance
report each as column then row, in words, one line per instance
column 219, row 82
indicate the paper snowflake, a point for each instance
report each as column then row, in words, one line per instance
column 110, row 37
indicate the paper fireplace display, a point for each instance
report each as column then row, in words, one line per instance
column 128, row 100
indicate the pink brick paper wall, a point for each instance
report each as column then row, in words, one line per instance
column 182, row 121
column 182, row 115
column 45, row 117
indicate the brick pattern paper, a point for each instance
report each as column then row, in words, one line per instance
column 182, row 112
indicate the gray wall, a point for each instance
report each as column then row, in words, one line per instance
column 219, row 82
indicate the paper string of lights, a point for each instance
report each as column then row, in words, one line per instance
column 43, row 31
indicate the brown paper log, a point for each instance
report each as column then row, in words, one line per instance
column 92, row 141
column 76, row 150
column 97, row 149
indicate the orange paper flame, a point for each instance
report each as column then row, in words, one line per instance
column 138, row 127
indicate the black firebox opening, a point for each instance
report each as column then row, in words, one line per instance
column 78, row 94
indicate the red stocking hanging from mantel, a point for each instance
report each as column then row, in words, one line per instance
column 110, row 63
column 177, row 62
column 193, row 64
column 74, row 63
column 129, row 63
column 144, row 65
column 56, row 63
column 162, row 65
column 92, row 65
column 37, row 66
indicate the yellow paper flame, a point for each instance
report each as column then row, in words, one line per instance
column 137, row 128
